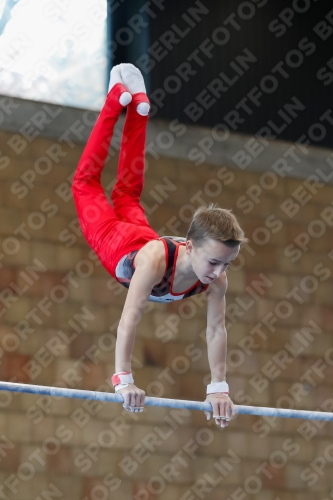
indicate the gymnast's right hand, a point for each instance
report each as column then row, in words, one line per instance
column 134, row 398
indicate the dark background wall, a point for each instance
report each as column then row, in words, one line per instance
column 203, row 60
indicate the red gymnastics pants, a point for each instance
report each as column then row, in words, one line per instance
column 114, row 231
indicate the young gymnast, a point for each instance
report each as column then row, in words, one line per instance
column 153, row 268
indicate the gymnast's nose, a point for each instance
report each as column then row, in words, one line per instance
column 219, row 270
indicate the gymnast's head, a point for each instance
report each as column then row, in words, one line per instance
column 213, row 241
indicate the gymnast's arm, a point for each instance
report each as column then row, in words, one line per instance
column 149, row 271
column 217, row 346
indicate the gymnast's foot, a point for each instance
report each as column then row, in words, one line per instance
column 115, row 77
column 133, row 81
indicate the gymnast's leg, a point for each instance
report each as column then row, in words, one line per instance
column 130, row 179
column 97, row 217
column 114, row 231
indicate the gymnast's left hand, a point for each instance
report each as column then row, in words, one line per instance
column 222, row 407
column 134, row 398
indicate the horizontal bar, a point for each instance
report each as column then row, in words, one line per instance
column 169, row 403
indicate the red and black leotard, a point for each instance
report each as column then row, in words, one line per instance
column 163, row 291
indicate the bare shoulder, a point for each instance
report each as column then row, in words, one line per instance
column 219, row 286
column 150, row 254
column 151, row 259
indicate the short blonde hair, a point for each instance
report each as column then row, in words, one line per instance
column 216, row 223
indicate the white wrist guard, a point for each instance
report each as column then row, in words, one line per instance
column 217, row 387
column 121, row 380
column 119, row 387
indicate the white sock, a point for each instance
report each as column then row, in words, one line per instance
column 133, row 81
column 132, row 78
column 143, row 108
column 115, row 77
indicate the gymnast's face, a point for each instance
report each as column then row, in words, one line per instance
column 211, row 259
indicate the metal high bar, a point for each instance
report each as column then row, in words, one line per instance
column 164, row 402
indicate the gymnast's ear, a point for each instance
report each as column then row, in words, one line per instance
column 189, row 246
